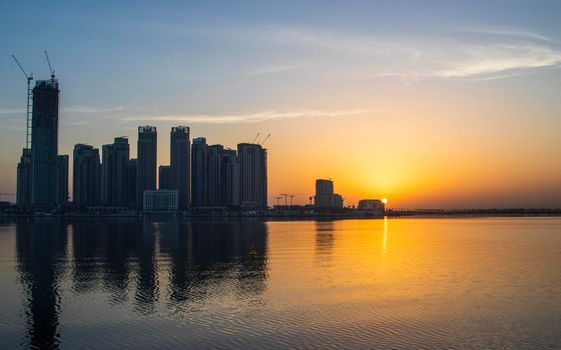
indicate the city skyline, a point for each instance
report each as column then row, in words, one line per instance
column 430, row 107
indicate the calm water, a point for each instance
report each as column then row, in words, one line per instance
column 398, row 283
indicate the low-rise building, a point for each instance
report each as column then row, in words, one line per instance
column 375, row 205
column 160, row 201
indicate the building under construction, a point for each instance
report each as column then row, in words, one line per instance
column 42, row 176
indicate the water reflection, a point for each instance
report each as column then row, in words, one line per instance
column 41, row 253
column 174, row 264
column 325, row 239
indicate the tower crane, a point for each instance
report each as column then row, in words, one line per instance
column 291, row 196
column 29, row 78
column 266, row 138
column 50, row 67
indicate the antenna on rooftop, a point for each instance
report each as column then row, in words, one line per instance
column 29, row 78
column 50, row 67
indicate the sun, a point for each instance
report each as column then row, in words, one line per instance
column 384, row 200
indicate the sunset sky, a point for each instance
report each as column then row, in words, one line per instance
column 432, row 104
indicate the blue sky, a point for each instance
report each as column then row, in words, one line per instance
column 230, row 69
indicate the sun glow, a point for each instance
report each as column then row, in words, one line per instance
column 384, row 200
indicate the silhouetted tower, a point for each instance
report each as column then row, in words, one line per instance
column 180, row 162
column 215, row 194
column 200, row 173
column 44, row 143
column 62, row 180
column 253, row 175
column 164, row 178
column 147, row 161
column 86, row 176
column 115, row 172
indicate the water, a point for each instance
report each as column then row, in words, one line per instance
column 397, row 283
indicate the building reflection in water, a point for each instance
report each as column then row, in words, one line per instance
column 175, row 263
column 41, row 261
column 325, row 239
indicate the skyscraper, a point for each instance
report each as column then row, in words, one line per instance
column 115, row 172
column 199, row 187
column 44, row 143
column 180, row 161
column 253, row 175
column 215, row 194
column 230, row 178
column 86, row 176
column 62, row 180
column 147, row 161
column 131, row 183
column 164, row 178
column 106, row 174
column 23, row 191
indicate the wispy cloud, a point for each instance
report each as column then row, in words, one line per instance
column 512, row 32
column 254, row 117
column 270, row 70
column 492, row 51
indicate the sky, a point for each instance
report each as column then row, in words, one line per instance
column 431, row 104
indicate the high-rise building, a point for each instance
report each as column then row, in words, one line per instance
column 230, row 179
column 62, row 180
column 325, row 197
column 147, row 161
column 131, row 184
column 324, row 187
column 180, row 161
column 106, row 175
column 44, row 143
column 115, row 172
column 164, row 178
column 215, row 191
column 86, row 176
column 199, row 179
column 23, row 191
column 253, row 175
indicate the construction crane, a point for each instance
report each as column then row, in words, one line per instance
column 291, row 196
column 29, row 78
column 278, row 199
column 263, row 142
column 50, row 67
column 256, row 137
column 285, row 195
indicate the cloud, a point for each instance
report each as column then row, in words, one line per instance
column 492, row 51
column 12, row 110
column 270, row 70
column 254, row 117
column 513, row 32
column 91, row 109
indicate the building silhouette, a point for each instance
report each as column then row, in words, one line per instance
column 180, row 162
column 131, row 183
column 253, row 175
column 199, row 174
column 325, row 197
column 164, row 178
column 86, row 186
column 215, row 191
column 115, row 172
column 62, row 180
column 44, row 143
column 23, row 191
column 147, row 161
column 230, row 178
